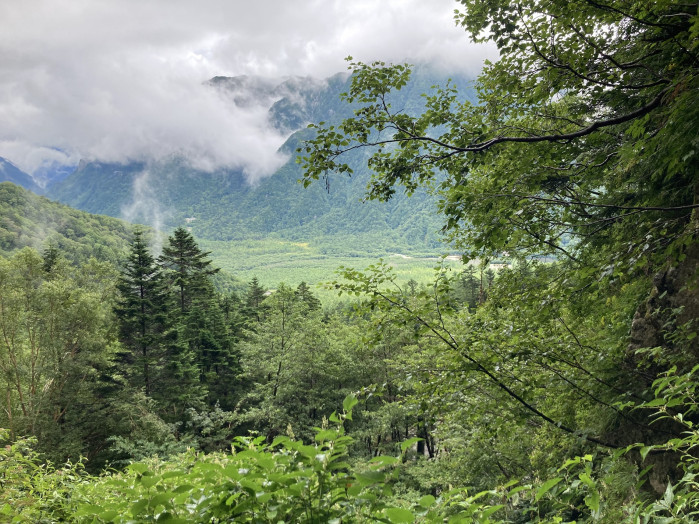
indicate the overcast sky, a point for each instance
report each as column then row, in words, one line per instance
column 120, row 80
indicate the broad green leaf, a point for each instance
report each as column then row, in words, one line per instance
column 349, row 402
column 138, row 467
column 384, row 460
column 546, row 487
column 149, row 481
column 405, row 445
column 399, row 515
column 109, row 515
column 489, row 511
column 427, row 501
column 669, row 495
column 645, row 450
column 592, row 501
column 370, row 477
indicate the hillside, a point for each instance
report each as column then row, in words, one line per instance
column 221, row 205
column 11, row 173
column 34, row 221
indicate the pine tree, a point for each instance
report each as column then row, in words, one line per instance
column 304, row 294
column 254, row 300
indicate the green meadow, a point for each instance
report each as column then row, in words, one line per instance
column 276, row 260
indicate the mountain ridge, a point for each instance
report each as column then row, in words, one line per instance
column 11, row 173
column 222, row 205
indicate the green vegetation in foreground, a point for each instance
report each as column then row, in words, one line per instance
column 289, row 481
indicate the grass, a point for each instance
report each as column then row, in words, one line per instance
column 274, row 260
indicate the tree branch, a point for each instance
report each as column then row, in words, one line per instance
column 480, row 367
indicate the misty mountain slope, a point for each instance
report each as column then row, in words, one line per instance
column 170, row 189
column 97, row 187
column 11, row 173
column 222, row 205
column 29, row 220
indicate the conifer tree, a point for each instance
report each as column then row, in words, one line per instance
column 201, row 355
column 189, row 269
column 304, row 294
column 141, row 311
column 254, row 299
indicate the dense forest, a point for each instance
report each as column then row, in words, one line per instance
column 560, row 389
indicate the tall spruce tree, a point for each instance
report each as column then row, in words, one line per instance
column 141, row 310
column 304, row 294
column 202, row 358
column 189, row 269
column 254, row 298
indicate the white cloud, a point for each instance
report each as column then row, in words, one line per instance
column 120, row 80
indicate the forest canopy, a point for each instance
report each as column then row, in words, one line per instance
column 584, row 135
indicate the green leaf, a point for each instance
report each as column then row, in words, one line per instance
column 138, row 467
column 587, row 480
column 139, row 506
column 546, row 487
column 88, row 509
column 669, row 495
column 183, row 488
column 592, row 501
column 384, row 460
column 161, row 499
column 354, row 490
column 427, row 501
column 489, row 511
column 408, row 443
column 109, row 515
column 149, row 481
column 399, row 515
column 370, row 477
column 349, row 402
column 645, row 450
column 325, row 434
column 172, row 519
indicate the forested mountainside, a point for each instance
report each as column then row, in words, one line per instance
column 33, row 221
column 223, row 206
column 11, row 173
column 28, row 220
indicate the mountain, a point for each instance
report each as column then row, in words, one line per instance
column 11, row 173
column 222, row 205
column 27, row 219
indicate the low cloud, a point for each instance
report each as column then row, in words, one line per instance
column 119, row 117
column 123, row 80
column 144, row 208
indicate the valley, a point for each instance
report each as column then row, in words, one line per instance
column 273, row 227
column 393, row 295
column 274, row 261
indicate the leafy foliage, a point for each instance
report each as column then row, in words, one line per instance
column 581, row 138
column 57, row 342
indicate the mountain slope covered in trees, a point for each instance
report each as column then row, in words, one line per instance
column 224, row 206
column 11, row 173
column 28, row 220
